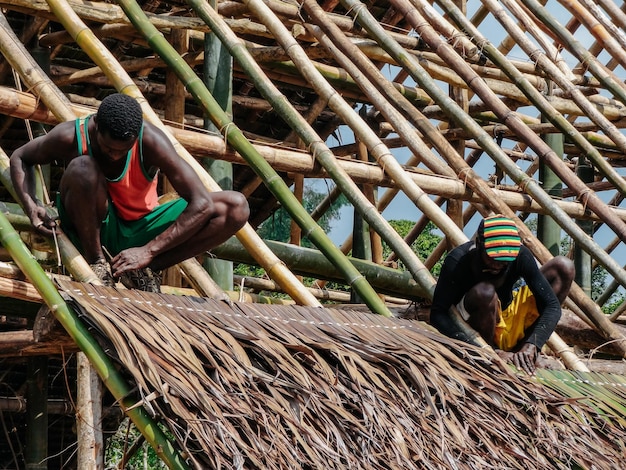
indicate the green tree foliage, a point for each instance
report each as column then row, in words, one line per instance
column 278, row 226
column 423, row 246
column 118, row 445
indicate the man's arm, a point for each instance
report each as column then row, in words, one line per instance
column 58, row 144
column 447, row 290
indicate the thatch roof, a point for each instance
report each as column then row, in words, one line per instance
column 308, row 93
column 258, row 386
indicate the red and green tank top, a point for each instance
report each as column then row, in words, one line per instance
column 134, row 192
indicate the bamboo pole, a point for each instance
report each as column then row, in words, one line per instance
column 309, row 262
column 617, row 16
column 90, row 452
column 609, row 35
column 234, row 136
column 120, row 78
column 79, row 333
column 337, row 296
column 356, row 8
column 37, row 414
column 112, row 14
column 320, row 151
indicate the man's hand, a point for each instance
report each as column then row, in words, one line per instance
column 130, row 260
column 526, row 358
column 42, row 222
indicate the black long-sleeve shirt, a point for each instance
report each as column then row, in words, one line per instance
column 461, row 271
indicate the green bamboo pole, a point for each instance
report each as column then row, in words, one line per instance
column 113, row 380
column 548, row 231
column 236, row 138
column 37, row 414
column 317, row 147
column 582, row 259
column 310, row 262
column 85, row 38
column 218, row 74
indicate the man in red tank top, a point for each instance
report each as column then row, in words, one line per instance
column 108, row 193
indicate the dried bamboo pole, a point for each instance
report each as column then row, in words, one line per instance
column 407, row 133
column 600, row 72
column 81, row 336
column 441, row 72
column 421, row 224
column 542, row 149
column 16, row 54
column 591, row 309
column 550, row 49
column 94, row 48
column 611, row 37
column 318, row 148
column 239, row 142
column 618, row 16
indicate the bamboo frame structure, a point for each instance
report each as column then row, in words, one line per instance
column 429, row 102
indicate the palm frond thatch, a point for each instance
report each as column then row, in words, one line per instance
column 258, row 386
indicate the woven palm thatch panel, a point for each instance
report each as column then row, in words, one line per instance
column 257, row 386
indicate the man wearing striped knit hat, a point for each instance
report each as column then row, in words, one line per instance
column 479, row 277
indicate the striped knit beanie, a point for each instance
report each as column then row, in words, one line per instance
column 501, row 238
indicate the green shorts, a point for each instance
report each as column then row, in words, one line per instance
column 117, row 234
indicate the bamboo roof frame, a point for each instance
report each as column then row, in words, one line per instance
column 337, row 51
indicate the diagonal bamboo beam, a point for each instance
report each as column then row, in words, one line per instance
column 610, row 81
column 609, row 35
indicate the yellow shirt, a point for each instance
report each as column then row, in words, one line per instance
column 515, row 319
